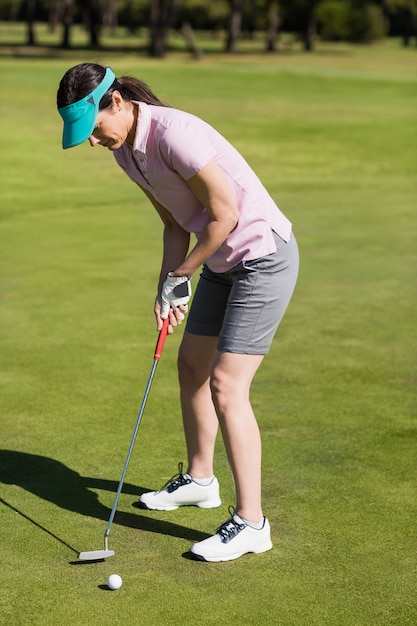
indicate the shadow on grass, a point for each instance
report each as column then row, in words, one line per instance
column 23, row 51
column 53, row 481
column 56, row 51
column 32, row 521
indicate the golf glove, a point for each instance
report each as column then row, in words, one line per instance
column 176, row 291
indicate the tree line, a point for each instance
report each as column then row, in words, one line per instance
column 331, row 20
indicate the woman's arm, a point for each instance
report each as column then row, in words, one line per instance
column 212, row 190
column 176, row 242
column 210, row 187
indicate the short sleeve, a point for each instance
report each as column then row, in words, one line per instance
column 187, row 149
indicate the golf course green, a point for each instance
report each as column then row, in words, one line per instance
column 333, row 137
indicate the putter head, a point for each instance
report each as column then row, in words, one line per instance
column 95, row 555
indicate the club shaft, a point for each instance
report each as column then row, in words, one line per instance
column 157, row 356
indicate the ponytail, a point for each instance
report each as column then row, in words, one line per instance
column 132, row 88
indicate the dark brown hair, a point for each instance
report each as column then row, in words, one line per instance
column 82, row 79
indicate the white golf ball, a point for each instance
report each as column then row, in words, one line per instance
column 114, row 581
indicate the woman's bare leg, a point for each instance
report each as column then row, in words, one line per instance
column 230, row 383
column 214, row 388
column 195, row 362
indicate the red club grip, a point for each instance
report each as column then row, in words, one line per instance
column 161, row 340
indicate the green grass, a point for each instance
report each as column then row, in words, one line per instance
column 333, row 137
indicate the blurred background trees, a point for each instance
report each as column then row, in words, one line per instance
column 358, row 21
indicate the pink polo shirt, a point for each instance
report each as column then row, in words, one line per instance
column 170, row 147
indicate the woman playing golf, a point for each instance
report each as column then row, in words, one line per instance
column 200, row 184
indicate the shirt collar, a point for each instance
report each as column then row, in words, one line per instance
column 143, row 127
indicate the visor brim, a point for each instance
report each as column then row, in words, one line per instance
column 78, row 131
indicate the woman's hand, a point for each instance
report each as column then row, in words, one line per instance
column 175, row 316
column 176, row 291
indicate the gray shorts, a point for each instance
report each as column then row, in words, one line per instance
column 244, row 306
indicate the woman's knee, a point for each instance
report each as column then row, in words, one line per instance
column 231, row 379
column 195, row 359
column 185, row 365
column 223, row 390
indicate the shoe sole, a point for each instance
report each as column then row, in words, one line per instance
column 263, row 548
column 211, row 504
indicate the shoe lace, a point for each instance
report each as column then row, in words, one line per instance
column 178, row 480
column 230, row 528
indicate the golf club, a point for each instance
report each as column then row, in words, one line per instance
column 97, row 555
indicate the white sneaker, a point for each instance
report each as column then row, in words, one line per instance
column 233, row 539
column 182, row 490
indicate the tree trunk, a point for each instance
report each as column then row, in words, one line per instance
column 54, row 15
column 158, row 27
column 130, row 22
column 311, row 26
column 188, row 33
column 13, row 13
column 274, row 25
column 30, row 22
column 409, row 29
column 110, row 16
column 67, row 19
column 92, row 22
column 235, row 25
column 253, row 14
column 162, row 16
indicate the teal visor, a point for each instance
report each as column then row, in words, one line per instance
column 80, row 117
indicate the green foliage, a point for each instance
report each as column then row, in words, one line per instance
column 337, row 19
column 346, row 21
column 402, row 4
column 9, row 9
column 367, row 24
column 333, row 20
column 133, row 13
column 205, row 15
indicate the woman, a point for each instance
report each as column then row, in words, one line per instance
column 199, row 183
